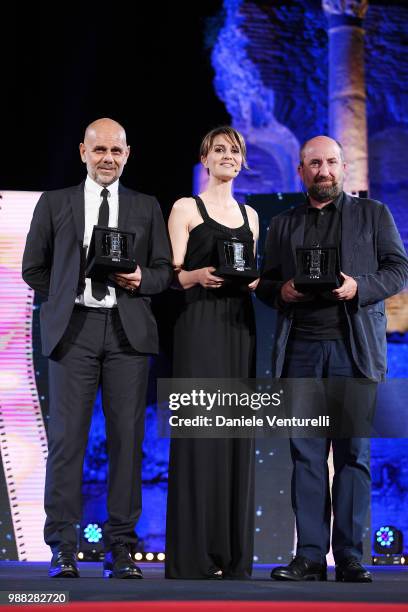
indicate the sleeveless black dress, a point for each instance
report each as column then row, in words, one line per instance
column 210, row 506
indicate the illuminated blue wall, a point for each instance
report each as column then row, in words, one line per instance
column 271, row 71
column 389, row 462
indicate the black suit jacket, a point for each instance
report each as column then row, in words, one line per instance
column 371, row 252
column 53, row 262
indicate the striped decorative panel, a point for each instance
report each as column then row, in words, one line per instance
column 23, row 440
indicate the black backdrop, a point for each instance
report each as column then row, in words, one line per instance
column 145, row 64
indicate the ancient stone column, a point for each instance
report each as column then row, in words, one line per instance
column 347, row 95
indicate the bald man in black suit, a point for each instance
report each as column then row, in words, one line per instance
column 96, row 334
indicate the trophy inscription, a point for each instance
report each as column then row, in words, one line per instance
column 314, row 261
column 115, row 246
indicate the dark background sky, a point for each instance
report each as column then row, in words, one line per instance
column 147, row 66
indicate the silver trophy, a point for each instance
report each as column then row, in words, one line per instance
column 110, row 250
column 315, row 260
column 235, row 260
column 115, row 246
column 317, row 269
column 235, row 255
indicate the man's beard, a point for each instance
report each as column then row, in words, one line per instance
column 323, row 192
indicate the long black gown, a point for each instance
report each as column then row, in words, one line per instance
column 210, row 507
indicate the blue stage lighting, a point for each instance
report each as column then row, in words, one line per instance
column 93, row 533
column 388, row 540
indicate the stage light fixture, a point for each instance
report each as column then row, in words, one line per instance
column 390, row 559
column 90, row 555
column 93, row 533
column 388, row 540
column 97, row 554
column 149, row 557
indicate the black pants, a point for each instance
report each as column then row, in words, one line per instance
column 310, row 478
column 93, row 351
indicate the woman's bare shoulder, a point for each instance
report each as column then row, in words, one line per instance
column 184, row 205
column 251, row 212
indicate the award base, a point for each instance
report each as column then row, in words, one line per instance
column 243, row 276
column 318, row 269
column 110, row 250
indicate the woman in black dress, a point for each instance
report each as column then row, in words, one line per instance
column 210, row 514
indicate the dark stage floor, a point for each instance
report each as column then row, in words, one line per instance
column 390, row 585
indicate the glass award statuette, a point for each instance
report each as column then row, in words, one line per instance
column 115, row 246
column 317, row 269
column 110, row 250
column 236, row 260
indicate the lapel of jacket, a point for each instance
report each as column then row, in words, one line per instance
column 350, row 228
column 297, row 230
column 124, row 206
column 77, row 200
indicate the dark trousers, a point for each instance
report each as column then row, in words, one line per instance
column 93, row 351
column 310, row 479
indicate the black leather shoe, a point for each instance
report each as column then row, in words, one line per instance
column 63, row 565
column 300, row 569
column 216, row 575
column 118, row 563
column 350, row 570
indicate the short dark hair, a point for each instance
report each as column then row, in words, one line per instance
column 231, row 134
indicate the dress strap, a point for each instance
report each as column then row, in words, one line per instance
column 206, row 217
column 202, row 209
column 245, row 216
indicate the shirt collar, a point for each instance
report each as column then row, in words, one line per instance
column 92, row 188
column 337, row 203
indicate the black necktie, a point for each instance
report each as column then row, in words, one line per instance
column 99, row 289
column 103, row 218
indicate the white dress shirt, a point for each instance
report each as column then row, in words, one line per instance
column 93, row 200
